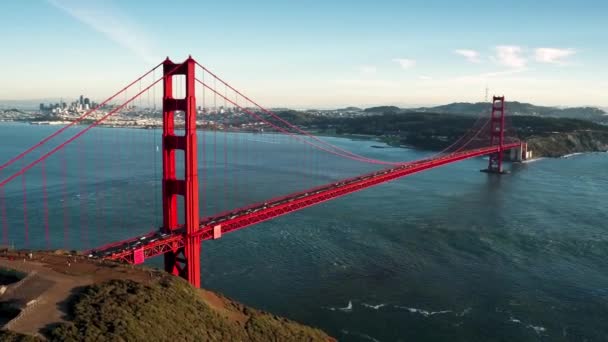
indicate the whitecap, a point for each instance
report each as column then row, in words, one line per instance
column 566, row 156
column 537, row 329
column 533, row 160
column 423, row 312
column 347, row 308
column 375, row 307
column 361, row 335
column 514, row 320
column 464, row 312
column 440, row 312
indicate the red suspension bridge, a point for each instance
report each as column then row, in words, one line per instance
column 58, row 192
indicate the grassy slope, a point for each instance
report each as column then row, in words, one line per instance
column 9, row 336
column 159, row 307
column 170, row 310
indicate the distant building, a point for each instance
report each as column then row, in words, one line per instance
column 81, row 100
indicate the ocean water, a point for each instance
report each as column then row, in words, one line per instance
column 448, row 254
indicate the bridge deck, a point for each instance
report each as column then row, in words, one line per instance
column 157, row 242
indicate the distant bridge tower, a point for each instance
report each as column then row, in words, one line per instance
column 182, row 260
column 497, row 134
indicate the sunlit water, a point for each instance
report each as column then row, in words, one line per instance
column 450, row 254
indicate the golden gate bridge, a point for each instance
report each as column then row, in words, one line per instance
column 198, row 169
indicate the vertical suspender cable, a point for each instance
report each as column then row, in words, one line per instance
column 65, row 200
column 45, row 204
column 4, row 218
column 237, row 136
column 155, row 149
column 204, row 148
column 25, row 220
column 216, row 127
column 226, row 125
column 81, row 191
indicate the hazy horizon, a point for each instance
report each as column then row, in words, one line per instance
column 33, row 104
column 315, row 55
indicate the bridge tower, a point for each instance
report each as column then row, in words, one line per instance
column 497, row 134
column 183, row 261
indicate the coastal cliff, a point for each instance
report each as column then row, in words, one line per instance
column 561, row 144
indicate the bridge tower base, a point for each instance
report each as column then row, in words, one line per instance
column 521, row 153
column 497, row 135
column 182, row 260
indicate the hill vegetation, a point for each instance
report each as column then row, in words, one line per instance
column 170, row 310
column 518, row 108
column 125, row 303
column 383, row 109
column 548, row 136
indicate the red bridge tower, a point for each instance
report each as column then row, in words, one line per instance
column 497, row 134
column 181, row 261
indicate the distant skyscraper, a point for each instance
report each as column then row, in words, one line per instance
column 81, row 99
column 41, row 106
column 87, row 101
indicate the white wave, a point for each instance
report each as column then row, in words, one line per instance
column 423, row 312
column 514, row 320
column 537, row 329
column 347, row 308
column 375, row 307
column 354, row 333
column 463, row 312
column 533, row 160
column 566, row 156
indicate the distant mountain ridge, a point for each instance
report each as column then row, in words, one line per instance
column 517, row 108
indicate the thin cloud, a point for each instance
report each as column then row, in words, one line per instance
column 110, row 22
column 470, row 55
column 405, row 63
column 510, row 56
column 487, row 75
column 478, row 77
column 502, row 73
column 367, row 70
column 358, row 83
column 553, row 55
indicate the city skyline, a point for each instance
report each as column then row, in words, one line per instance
column 317, row 55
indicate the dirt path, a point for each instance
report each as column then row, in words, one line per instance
column 53, row 278
column 46, row 291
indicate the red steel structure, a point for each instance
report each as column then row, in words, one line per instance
column 181, row 246
column 214, row 227
column 497, row 134
column 182, row 260
column 180, row 242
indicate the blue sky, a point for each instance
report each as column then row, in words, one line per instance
column 315, row 53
